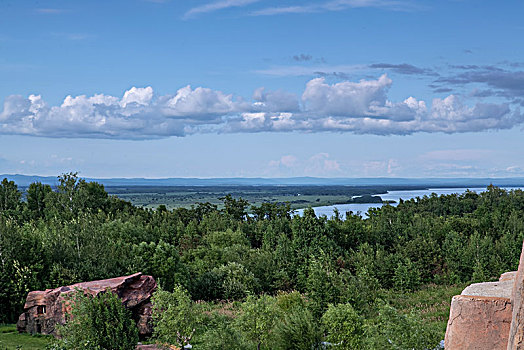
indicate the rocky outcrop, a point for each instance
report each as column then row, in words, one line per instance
column 489, row 315
column 516, row 334
column 480, row 317
column 44, row 310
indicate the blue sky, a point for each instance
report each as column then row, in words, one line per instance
column 227, row 88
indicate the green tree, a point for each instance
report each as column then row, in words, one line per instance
column 237, row 281
column 324, row 285
column 257, row 317
column 297, row 330
column 392, row 330
column 407, row 276
column 36, row 194
column 343, row 327
column 174, row 317
column 97, row 322
column 9, row 196
column 235, row 207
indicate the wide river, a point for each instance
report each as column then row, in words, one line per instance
column 391, row 195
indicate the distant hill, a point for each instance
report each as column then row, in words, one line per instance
column 26, row 180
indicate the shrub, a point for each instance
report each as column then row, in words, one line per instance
column 407, row 276
column 343, row 326
column 97, row 322
column 297, row 330
column 174, row 317
column 237, row 281
column 257, row 318
column 224, row 336
column 392, row 330
column 289, row 301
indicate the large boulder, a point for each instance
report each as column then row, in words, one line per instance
column 516, row 334
column 480, row 317
column 44, row 310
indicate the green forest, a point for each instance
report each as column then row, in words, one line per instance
column 268, row 280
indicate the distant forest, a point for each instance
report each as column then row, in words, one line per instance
column 77, row 232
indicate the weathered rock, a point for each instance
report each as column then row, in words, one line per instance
column 489, row 315
column 480, row 317
column 43, row 310
column 500, row 289
column 516, row 334
column 478, row 322
column 506, row 276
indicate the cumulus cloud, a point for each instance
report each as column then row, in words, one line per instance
column 361, row 107
column 345, row 98
column 134, row 116
column 275, row 101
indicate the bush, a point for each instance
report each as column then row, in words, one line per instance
column 237, row 281
column 289, row 301
column 298, row 330
column 97, row 322
column 407, row 276
column 224, row 336
column 256, row 319
column 174, row 317
column 343, row 326
column 392, row 330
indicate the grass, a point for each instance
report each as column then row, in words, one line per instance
column 432, row 303
column 10, row 339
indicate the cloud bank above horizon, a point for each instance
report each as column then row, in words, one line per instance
column 361, row 107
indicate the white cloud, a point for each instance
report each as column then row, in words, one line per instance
column 140, row 96
column 275, row 101
column 50, row 11
column 514, row 169
column 134, row 116
column 319, row 164
column 346, row 98
column 216, row 6
column 335, row 5
column 354, row 107
column 288, row 161
column 458, row 155
column 199, row 102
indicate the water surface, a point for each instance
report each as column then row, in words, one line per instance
column 362, row 209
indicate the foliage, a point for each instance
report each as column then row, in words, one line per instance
column 343, row 326
column 97, row 322
column 324, row 285
column 237, row 281
column 256, row 319
column 174, row 317
column 407, row 276
column 416, row 252
column 224, row 337
column 392, row 330
column 297, row 330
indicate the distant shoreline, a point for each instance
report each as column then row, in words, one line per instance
column 408, row 183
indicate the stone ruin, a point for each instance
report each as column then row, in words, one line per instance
column 489, row 315
column 44, row 310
